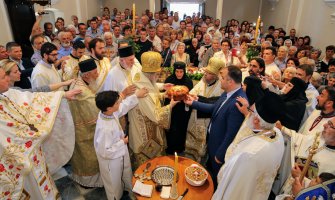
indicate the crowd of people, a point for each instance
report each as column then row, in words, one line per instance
column 251, row 121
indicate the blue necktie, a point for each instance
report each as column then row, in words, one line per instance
column 224, row 99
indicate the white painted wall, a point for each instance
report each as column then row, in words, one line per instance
column 237, row 9
column 309, row 17
column 84, row 9
column 141, row 5
column 6, row 32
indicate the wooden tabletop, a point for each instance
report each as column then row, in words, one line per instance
column 204, row 192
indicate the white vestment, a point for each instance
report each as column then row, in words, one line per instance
column 45, row 74
column 112, row 152
column 309, row 127
column 322, row 160
column 250, row 170
column 118, row 78
column 24, row 172
column 58, row 147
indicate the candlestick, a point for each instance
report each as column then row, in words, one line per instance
column 175, row 167
column 257, row 27
column 134, row 15
column 174, row 188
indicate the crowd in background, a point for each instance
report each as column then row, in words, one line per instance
column 287, row 64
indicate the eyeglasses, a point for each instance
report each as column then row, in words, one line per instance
column 330, row 124
column 53, row 54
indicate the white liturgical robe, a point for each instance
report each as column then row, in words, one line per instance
column 112, row 152
column 250, row 170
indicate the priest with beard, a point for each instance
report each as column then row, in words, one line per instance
column 176, row 135
column 57, row 153
column 85, row 114
column 149, row 118
column 251, row 167
column 97, row 49
column 314, row 124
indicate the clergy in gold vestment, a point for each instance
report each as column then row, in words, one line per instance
column 149, row 118
column 208, row 90
column 84, row 161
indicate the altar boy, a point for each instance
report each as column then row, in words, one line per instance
column 110, row 143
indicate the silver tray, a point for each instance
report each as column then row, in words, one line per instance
column 163, row 175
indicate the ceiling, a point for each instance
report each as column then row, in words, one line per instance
column 186, row 1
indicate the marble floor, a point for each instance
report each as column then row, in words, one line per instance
column 70, row 190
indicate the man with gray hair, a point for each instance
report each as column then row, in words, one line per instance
column 281, row 58
column 209, row 52
column 292, row 51
column 259, row 144
column 106, row 26
column 111, row 46
column 65, row 42
column 72, row 29
column 206, row 44
column 288, row 43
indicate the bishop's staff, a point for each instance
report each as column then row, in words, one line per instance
column 312, row 152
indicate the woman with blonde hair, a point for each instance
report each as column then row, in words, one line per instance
column 174, row 41
column 288, row 74
column 12, row 70
column 180, row 55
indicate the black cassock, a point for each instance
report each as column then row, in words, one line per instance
column 176, row 135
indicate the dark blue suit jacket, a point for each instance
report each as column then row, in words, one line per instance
column 224, row 124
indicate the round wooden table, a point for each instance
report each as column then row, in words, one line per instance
column 204, row 192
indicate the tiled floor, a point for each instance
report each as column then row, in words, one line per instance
column 70, row 190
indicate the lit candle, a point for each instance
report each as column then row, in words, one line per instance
column 134, row 15
column 257, row 27
column 175, row 167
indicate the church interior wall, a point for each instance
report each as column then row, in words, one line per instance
column 308, row 17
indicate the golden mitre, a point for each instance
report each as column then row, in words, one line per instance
column 151, row 61
column 214, row 65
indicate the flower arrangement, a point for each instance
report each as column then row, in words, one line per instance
column 131, row 41
column 253, row 51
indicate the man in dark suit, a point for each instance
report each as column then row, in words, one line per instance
column 25, row 66
column 226, row 118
